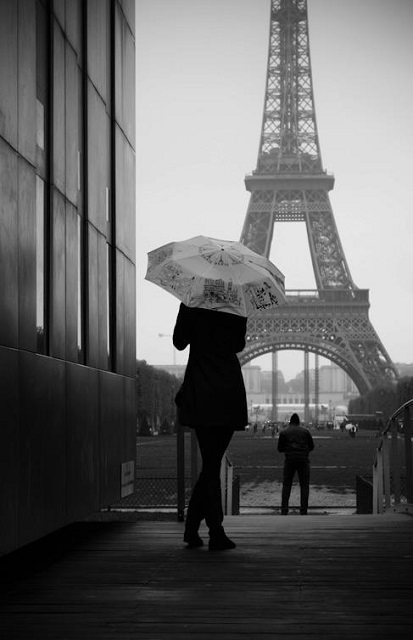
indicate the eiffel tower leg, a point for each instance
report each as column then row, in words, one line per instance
column 306, row 387
column 316, row 388
column 274, row 416
column 327, row 255
column 259, row 223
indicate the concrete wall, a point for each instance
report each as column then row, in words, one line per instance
column 67, row 260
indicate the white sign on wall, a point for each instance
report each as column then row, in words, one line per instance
column 127, row 478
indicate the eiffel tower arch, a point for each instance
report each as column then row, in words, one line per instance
column 289, row 184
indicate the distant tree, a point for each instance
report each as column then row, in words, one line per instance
column 404, row 390
column 155, row 395
column 384, row 398
column 166, row 428
column 144, row 427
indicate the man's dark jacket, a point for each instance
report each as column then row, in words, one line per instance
column 295, row 441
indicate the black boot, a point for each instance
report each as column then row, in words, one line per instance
column 219, row 541
column 193, row 539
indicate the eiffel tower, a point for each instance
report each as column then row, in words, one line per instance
column 290, row 184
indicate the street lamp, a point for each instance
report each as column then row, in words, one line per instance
column 168, row 335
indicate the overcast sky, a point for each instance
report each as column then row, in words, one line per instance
column 201, row 72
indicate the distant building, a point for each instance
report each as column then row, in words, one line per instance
column 335, row 388
column 67, row 262
column 332, row 379
column 252, row 378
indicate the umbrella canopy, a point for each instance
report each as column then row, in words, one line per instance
column 216, row 274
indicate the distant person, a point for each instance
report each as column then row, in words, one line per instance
column 212, row 401
column 296, row 442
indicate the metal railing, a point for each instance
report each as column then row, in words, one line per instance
column 229, row 488
column 393, row 464
column 182, row 497
column 327, row 295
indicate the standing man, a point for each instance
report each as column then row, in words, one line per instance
column 296, row 442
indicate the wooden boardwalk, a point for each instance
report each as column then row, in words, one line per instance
column 295, row 578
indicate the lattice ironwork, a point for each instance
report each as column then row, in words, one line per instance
column 290, row 184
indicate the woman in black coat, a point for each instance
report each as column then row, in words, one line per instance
column 212, row 401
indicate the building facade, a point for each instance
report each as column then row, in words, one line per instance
column 67, row 261
column 335, row 390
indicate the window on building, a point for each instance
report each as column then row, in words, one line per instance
column 40, row 266
column 42, row 88
column 42, row 169
column 79, row 289
column 109, row 298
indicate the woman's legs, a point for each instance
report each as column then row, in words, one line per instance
column 206, row 501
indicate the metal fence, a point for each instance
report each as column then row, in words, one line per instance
column 393, row 466
column 243, row 488
column 172, row 491
column 154, row 492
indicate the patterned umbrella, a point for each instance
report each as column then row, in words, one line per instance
column 216, row 274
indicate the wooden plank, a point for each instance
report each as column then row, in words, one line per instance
column 292, row 577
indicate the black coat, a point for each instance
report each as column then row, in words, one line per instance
column 295, row 441
column 213, row 392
